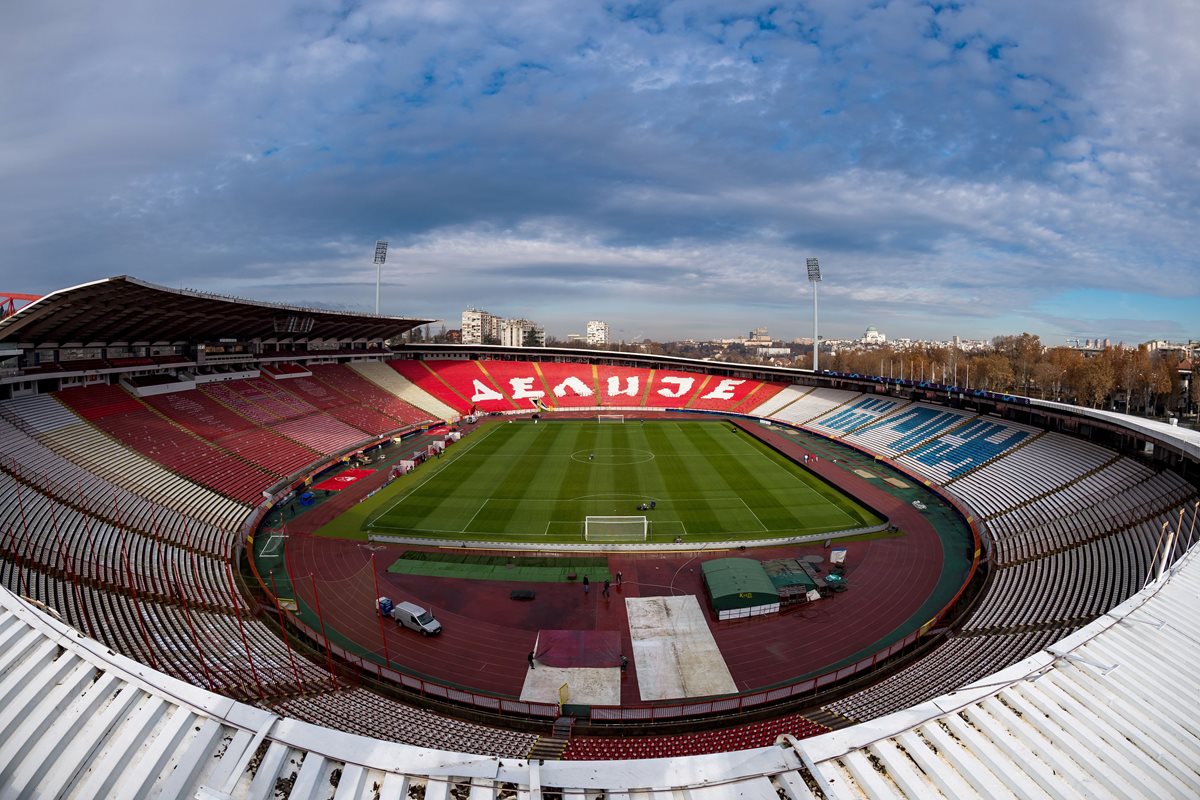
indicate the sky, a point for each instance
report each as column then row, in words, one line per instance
column 959, row 168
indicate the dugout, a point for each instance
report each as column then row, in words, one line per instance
column 739, row 587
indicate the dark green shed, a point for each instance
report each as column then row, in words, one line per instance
column 739, row 587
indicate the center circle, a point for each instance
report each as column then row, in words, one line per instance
column 613, row 456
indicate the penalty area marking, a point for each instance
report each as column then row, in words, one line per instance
column 476, row 514
column 457, row 454
column 756, row 519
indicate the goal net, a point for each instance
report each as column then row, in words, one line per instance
column 602, row 418
column 616, row 529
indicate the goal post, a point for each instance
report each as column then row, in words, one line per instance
column 616, row 529
column 610, row 418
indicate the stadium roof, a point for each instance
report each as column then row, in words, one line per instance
column 125, row 309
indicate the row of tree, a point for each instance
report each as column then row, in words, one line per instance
column 1134, row 379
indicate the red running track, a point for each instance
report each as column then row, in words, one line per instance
column 486, row 635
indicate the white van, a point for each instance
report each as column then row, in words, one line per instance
column 411, row 615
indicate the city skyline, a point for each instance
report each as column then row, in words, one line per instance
column 977, row 169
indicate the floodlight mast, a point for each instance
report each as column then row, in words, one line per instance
column 814, row 277
column 380, row 257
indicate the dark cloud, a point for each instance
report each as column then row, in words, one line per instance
column 665, row 165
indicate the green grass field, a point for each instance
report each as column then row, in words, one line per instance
column 536, row 483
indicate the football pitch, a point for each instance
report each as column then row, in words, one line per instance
column 526, row 482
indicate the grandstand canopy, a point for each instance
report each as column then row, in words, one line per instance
column 738, row 583
column 125, row 309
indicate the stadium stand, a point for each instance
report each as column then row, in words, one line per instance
column 742, row 737
column 786, row 396
column 1031, row 531
column 314, row 392
column 248, row 399
column 814, row 404
column 1076, row 530
column 369, row 714
column 1087, row 711
column 392, row 385
column 858, row 414
column 199, row 413
column 284, row 368
column 718, row 393
column 617, row 386
column 270, row 450
column 470, row 382
column 907, row 429
column 419, row 374
column 321, row 432
column 369, row 395
column 1039, row 467
column 963, row 449
column 48, row 472
column 61, row 431
column 959, row 661
column 60, row 539
column 230, row 431
column 580, row 387
column 590, row 386
column 121, row 416
column 516, row 378
column 672, row 388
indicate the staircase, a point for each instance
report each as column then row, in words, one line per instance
column 831, row 719
column 550, row 748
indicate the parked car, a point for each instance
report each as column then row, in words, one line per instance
column 411, row 615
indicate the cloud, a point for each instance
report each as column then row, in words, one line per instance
column 666, row 166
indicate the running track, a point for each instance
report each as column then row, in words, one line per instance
column 487, row 636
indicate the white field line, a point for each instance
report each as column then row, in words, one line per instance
column 756, row 519
column 473, row 516
column 371, row 523
column 802, row 485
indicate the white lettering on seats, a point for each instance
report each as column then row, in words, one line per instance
column 483, row 392
column 522, row 389
column 724, row 390
column 578, row 387
column 631, row 386
column 684, row 384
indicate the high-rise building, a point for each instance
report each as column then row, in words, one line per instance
column 597, row 332
column 480, row 327
column 522, row 333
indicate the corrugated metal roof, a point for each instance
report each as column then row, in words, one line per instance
column 126, row 309
column 735, row 582
column 1110, row 711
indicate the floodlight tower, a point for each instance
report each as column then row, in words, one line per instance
column 380, row 257
column 814, row 277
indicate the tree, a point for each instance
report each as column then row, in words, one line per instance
column 1135, row 378
column 1165, row 383
column 1022, row 353
column 1067, row 362
column 992, row 371
column 1097, row 377
column 1046, row 378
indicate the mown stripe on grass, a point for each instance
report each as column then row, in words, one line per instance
column 771, row 505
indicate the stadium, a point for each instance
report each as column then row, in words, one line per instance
column 657, row 577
